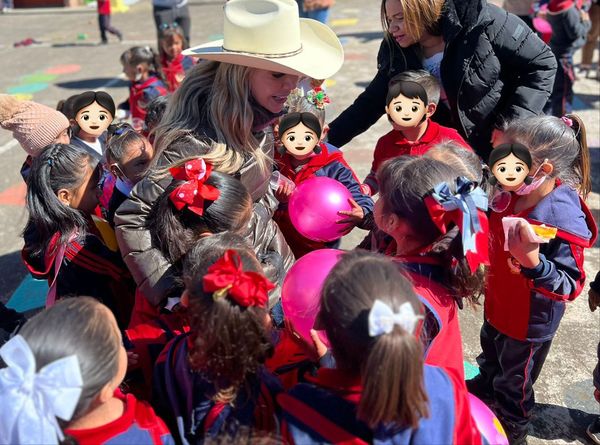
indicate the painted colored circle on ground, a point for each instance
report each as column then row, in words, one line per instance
column 351, row 21
column 329, row 83
column 27, row 88
column 21, row 96
column 471, row 371
column 63, row 69
column 38, row 78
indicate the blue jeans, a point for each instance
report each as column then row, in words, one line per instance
column 318, row 14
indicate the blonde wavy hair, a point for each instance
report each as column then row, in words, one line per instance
column 217, row 94
column 419, row 16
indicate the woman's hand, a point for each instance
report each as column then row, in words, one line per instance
column 527, row 253
column 283, row 192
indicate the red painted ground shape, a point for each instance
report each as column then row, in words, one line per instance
column 63, row 69
column 14, row 195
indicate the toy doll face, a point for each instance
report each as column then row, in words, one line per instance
column 299, row 141
column 510, row 172
column 406, row 112
column 93, row 119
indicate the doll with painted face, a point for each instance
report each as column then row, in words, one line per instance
column 510, row 165
column 92, row 113
column 409, row 109
column 303, row 155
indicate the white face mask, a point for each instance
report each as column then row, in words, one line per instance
column 526, row 189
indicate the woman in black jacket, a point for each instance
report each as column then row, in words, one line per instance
column 491, row 66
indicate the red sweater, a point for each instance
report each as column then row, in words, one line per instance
column 138, row 424
column 103, row 7
column 394, row 144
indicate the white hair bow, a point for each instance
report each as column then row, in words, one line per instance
column 32, row 401
column 382, row 318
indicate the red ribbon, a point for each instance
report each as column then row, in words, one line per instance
column 194, row 191
column 226, row 277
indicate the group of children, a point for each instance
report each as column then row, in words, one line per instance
column 217, row 358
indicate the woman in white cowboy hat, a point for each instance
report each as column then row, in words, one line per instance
column 229, row 101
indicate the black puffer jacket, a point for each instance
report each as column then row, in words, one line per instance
column 494, row 70
column 151, row 270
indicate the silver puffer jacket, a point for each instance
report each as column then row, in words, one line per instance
column 152, row 271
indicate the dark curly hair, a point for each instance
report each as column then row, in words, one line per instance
column 230, row 342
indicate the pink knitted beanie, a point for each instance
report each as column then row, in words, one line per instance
column 33, row 125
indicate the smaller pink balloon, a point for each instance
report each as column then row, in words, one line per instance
column 543, row 27
column 487, row 423
column 301, row 290
column 314, row 207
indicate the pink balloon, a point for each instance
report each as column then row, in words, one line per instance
column 543, row 27
column 314, row 207
column 487, row 423
column 301, row 291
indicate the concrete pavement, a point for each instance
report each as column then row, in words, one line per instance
column 68, row 60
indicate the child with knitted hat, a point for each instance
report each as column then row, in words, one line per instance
column 33, row 125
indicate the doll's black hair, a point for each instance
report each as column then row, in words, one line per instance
column 501, row 151
column 407, row 88
column 89, row 97
column 290, row 120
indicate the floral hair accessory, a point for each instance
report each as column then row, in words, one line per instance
column 318, row 97
column 227, row 278
column 568, row 121
column 194, row 191
column 466, row 209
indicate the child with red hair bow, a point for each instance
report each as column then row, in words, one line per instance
column 213, row 379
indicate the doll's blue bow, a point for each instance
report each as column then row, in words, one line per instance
column 468, row 198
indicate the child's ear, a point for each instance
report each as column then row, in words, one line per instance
column 547, row 168
column 106, row 393
column 64, row 196
column 431, row 107
column 185, row 299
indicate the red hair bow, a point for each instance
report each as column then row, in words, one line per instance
column 194, row 190
column 226, row 277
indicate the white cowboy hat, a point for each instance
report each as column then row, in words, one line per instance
column 268, row 34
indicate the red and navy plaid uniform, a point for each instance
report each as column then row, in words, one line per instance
column 88, row 268
column 138, row 425
column 523, row 307
column 185, row 398
column 324, row 411
column 329, row 162
column 443, row 338
column 141, row 94
column 174, row 70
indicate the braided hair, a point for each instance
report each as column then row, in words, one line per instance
column 59, row 166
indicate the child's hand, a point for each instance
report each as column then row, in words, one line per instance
column 355, row 215
column 593, row 299
column 365, row 189
column 318, row 344
column 132, row 360
column 283, row 192
column 527, row 253
column 314, row 349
